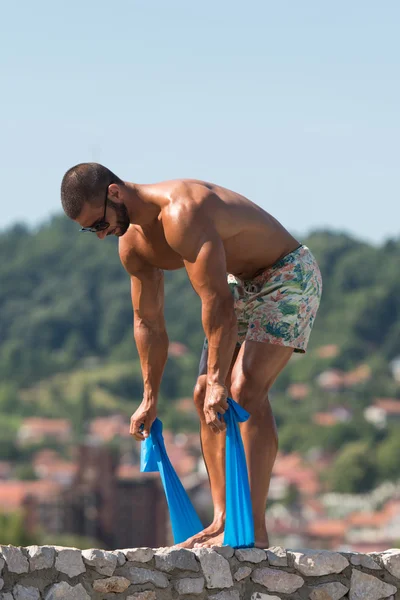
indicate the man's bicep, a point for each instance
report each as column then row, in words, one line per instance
column 207, row 272
column 147, row 291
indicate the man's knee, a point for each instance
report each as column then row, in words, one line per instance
column 199, row 393
column 249, row 391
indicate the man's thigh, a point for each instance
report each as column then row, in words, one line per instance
column 257, row 366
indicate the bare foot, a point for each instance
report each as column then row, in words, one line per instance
column 218, row 540
column 207, row 533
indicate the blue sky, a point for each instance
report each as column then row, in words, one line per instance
column 295, row 104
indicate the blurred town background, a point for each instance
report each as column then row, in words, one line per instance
column 70, row 380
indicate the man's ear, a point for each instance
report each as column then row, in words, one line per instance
column 115, row 193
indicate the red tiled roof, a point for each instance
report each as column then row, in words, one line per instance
column 13, row 493
column 325, row 419
column 327, row 528
column 43, row 425
column 389, row 405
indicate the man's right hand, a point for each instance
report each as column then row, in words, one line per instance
column 142, row 420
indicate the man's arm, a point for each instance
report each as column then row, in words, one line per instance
column 147, row 291
column 192, row 234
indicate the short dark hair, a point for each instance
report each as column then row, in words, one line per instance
column 82, row 183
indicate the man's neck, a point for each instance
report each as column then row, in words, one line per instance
column 143, row 210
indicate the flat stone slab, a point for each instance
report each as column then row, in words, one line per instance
column 15, row 560
column 148, row 595
column 142, row 555
column 277, row 581
column 391, row 562
column 189, row 585
column 216, row 568
column 277, row 556
column 253, row 555
column 41, row 557
column 137, row 575
column 104, row 562
column 113, row 584
column 64, row 591
column 364, row 586
column 260, row 596
column 69, row 561
column 329, row 591
column 242, row 573
column 181, row 559
column 364, row 560
column 315, row 563
column 21, row 592
column 231, row 595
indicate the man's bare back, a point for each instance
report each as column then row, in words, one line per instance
column 253, row 240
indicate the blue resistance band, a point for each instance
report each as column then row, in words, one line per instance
column 239, row 527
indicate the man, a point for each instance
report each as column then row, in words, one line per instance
column 253, row 319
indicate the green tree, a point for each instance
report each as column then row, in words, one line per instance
column 354, row 471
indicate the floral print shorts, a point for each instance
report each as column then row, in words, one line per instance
column 279, row 305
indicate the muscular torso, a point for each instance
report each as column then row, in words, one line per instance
column 252, row 238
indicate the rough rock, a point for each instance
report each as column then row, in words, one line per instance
column 259, row 596
column 253, row 555
column 231, row 595
column 242, row 573
column 138, row 576
column 104, row 562
column 391, row 562
column 41, row 557
column 25, row 593
column 189, row 585
column 319, row 562
column 168, row 560
column 216, row 568
column 364, row 560
column 69, row 561
column 329, row 591
column 114, row 584
column 148, row 595
column 365, row 586
column 139, row 554
column 121, row 558
column 277, row 556
column 6, row 596
column 2, row 563
column 225, row 551
column 15, row 559
column 64, row 591
column 277, row 581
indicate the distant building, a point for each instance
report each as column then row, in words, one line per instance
column 298, row 391
column 34, row 430
column 120, row 508
column 382, row 411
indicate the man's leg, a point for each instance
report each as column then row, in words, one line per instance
column 213, row 449
column 256, row 368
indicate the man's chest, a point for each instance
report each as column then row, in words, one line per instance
column 153, row 249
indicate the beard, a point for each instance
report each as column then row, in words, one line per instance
column 123, row 220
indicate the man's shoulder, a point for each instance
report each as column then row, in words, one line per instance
column 128, row 254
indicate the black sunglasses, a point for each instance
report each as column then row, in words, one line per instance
column 103, row 224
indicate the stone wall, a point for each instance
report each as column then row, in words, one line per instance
column 57, row 573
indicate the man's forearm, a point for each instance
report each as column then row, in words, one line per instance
column 220, row 327
column 152, row 344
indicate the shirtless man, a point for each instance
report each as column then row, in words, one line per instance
column 253, row 319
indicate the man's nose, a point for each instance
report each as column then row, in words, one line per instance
column 101, row 234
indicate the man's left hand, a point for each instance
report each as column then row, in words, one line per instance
column 215, row 402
